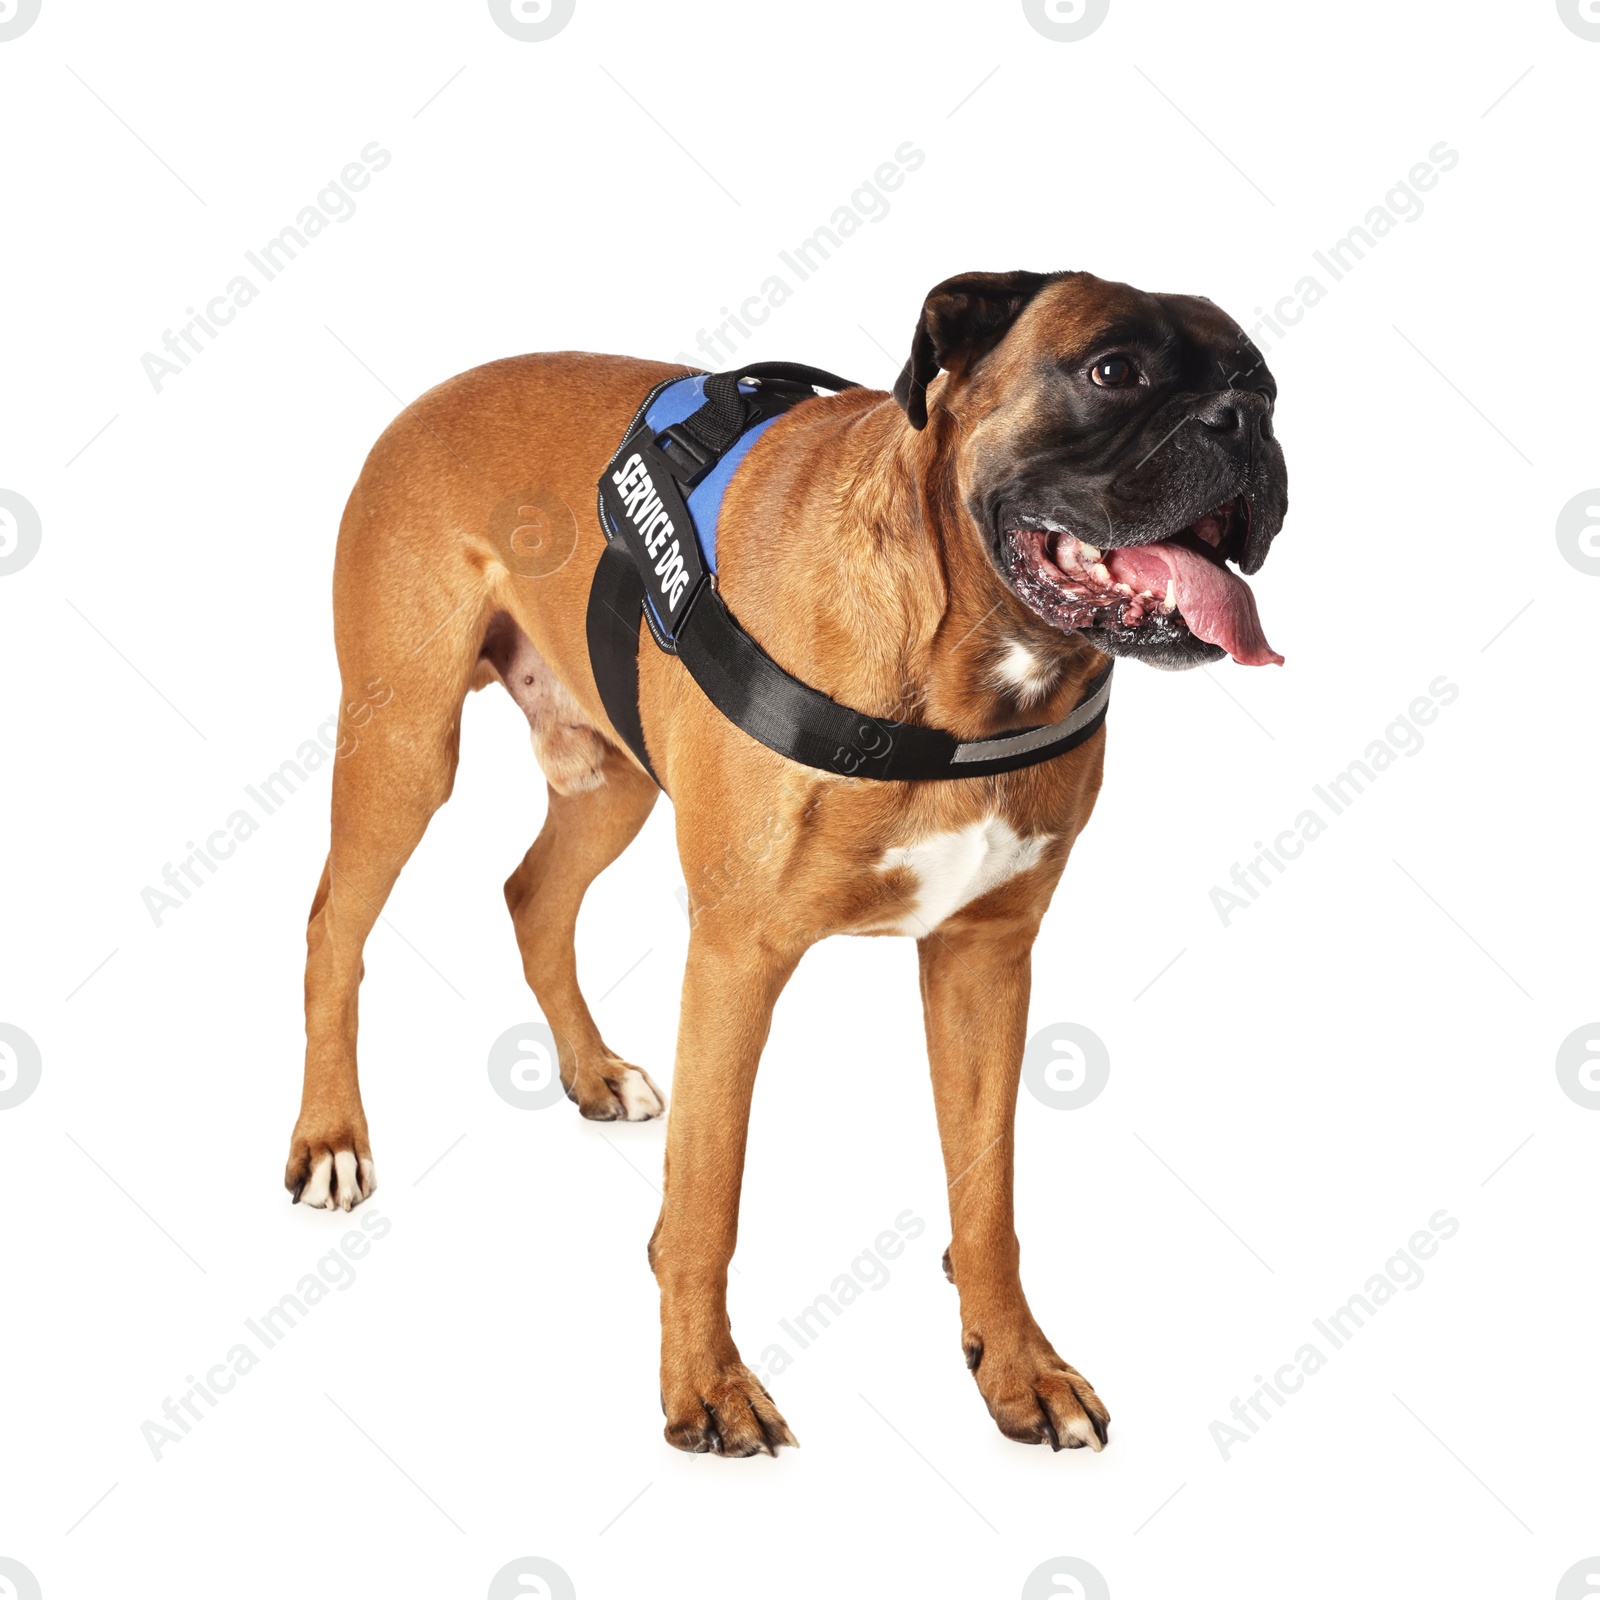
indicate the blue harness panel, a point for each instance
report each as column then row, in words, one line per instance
column 673, row 404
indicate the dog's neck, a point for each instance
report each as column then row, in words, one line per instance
column 993, row 656
column 855, row 563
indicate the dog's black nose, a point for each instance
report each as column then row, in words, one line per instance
column 1236, row 413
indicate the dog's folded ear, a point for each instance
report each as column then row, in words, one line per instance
column 962, row 319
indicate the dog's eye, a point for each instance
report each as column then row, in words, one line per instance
column 1113, row 372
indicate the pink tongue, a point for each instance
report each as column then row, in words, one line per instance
column 1215, row 602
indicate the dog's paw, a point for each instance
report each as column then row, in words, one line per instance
column 332, row 1172
column 616, row 1092
column 724, row 1411
column 1036, row 1398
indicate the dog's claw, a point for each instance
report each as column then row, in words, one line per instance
column 1036, row 1398
column 738, row 1420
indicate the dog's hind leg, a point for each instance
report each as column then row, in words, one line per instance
column 599, row 800
column 400, row 732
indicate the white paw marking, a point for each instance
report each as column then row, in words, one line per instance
column 319, row 1191
column 344, row 1169
column 1082, row 1428
column 640, row 1098
column 954, row 869
column 339, row 1182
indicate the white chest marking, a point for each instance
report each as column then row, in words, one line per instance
column 954, row 869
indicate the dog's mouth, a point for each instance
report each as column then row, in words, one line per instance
column 1145, row 596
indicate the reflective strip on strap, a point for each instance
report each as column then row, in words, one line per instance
column 1016, row 744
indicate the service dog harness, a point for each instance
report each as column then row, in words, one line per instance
column 660, row 496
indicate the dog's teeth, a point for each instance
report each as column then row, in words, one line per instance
column 1065, row 553
column 1122, row 589
column 1088, row 551
column 1171, row 601
column 1099, row 573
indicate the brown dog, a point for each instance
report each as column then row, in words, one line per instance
column 1074, row 484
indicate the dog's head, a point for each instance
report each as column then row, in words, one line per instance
column 1116, row 452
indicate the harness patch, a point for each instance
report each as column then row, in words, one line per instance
column 643, row 498
column 653, row 523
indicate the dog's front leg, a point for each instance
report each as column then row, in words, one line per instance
column 975, row 982
column 712, row 1401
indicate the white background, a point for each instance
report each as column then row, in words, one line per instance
column 1289, row 1100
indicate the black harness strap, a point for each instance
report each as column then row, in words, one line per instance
column 738, row 677
column 616, row 602
column 753, row 692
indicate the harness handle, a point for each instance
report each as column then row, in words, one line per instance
column 785, row 372
column 726, row 413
